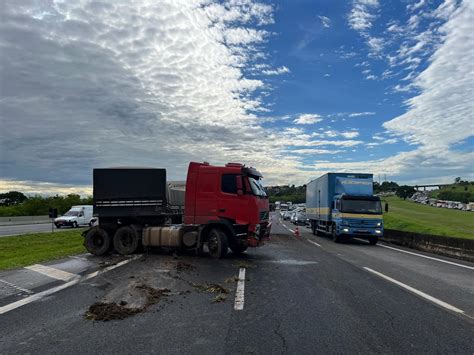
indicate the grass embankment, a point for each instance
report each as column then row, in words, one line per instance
column 28, row 249
column 413, row 217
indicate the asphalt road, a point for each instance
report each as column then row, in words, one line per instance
column 301, row 295
column 18, row 229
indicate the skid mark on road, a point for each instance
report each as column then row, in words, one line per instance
column 240, row 293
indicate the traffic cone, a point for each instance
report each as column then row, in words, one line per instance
column 297, row 232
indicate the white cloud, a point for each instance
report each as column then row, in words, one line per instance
column 357, row 114
column 325, row 21
column 416, row 5
column 308, row 118
column 277, row 71
column 316, row 151
column 376, row 45
column 350, row 134
column 362, row 14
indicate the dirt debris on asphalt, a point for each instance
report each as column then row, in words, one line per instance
column 183, row 266
column 106, row 311
column 211, row 288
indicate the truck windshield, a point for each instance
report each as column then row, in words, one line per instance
column 257, row 188
column 361, row 206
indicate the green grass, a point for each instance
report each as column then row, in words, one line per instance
column 457, row 188
column 413, row 217
column 28, row 249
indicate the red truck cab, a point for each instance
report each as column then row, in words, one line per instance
column 231, row 197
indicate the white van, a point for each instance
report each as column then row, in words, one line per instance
column 76, row 216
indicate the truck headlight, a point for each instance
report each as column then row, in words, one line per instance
column 345, row 230
column 379, row 224
column 378, row 231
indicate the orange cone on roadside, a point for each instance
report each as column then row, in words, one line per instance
column 297, row 232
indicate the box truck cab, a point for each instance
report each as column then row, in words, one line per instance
column 343, row 205
column 75, row 217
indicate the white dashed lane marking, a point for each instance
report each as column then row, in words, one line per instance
column 51, row 272
column 239, row 294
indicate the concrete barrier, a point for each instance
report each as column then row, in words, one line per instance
column 9, row 221
column 453, row 247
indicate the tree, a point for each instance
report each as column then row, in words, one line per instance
column 405, row 191
column 12, row 198
column 457, row 180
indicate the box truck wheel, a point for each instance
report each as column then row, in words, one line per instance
column 373, row 240
column 126, row 240
column 217, row 243
column 74, row 224
column 238, row 249
column 335, row 237
column 97, row 241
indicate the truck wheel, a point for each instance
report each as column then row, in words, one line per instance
column 335, row 237
column 97, row 241
column 58, row 226
column 217, row 243
column 74, row 224
column 373, row 240
column 238, row 249
column 126, row 241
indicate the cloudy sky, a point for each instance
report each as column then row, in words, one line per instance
column 295, row 88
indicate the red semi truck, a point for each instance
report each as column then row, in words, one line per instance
column 223, row 207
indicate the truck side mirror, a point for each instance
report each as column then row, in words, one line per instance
column 239, row 184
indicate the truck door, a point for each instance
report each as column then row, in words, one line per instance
column 231, row 205
column 206, row 202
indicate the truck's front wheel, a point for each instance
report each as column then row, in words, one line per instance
column 373, row 240
column 217, row 243
column 97, row 241
column 335, row 237
column 238, row 249
column 126, row 240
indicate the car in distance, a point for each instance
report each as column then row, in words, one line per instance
column 75, row 217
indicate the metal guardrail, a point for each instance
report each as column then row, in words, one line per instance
column 8, row 221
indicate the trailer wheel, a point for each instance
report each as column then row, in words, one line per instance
column 97, row 241
column 217, row 243
column 335, row 237
column 126, row 240
column 238, row 249
column 373, row 240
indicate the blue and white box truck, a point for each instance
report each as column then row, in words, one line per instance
column 343, row 205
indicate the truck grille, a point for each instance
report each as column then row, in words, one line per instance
column 263, row 215
column 354, row 223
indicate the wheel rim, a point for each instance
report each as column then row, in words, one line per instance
column 97, row 240
column 126, row 240
column 213, row 243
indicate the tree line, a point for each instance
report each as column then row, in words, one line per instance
column 15, row 203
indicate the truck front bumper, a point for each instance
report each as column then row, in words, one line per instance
column 259, row 235
column 360, row 232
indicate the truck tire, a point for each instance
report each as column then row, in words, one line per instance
column 74, row 224
column 373, row 240
column 336, row 238
column 126, row 240
column 238, row 249
column 217, row 243
column 97, row 241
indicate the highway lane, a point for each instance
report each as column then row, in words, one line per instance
column 18, row 229
column 298, row 298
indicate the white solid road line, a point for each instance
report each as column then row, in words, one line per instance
column 417, row 292
column 51, row 272
column 239, row 294
column 427, row 257
column 74, row 281
column 291, row 230
column 314, row 243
